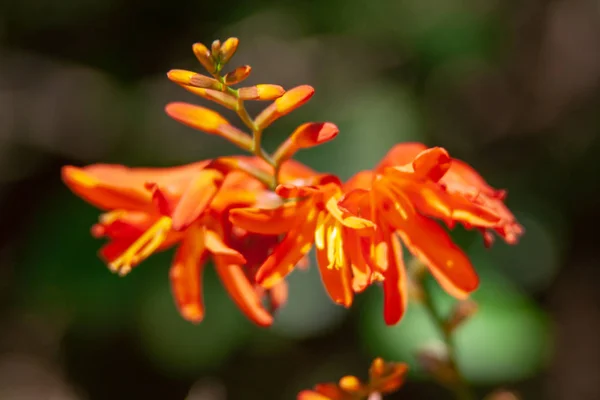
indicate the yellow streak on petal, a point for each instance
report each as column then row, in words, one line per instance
column 143, row 247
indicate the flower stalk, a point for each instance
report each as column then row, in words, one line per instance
column 454, row 380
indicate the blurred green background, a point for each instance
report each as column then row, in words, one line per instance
column 512, row 87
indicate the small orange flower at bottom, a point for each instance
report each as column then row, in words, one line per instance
column 384, row 378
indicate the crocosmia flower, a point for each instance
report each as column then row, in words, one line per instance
column 384, row 378
column 403, row 200
column 152, row 209
column 310, row 215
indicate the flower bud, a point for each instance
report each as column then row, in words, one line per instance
column 227, row 50
column 208, row 121
column 204, row 56
column 285, row 104
column 237, row 75
column 216, row 49
column 261, row 92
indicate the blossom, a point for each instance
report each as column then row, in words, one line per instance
column 401, row 196
column 384, row 378
column 310, row 215
column 151, row 209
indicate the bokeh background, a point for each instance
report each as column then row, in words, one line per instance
column 512, row 87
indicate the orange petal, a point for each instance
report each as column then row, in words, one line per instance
column 242, row 292
column 335, row 270
column 390, row 377
column 431, row 199
column 215, row 245
column 186, row 275
column 361, row 180
column 292, row 169
column 361, row 225
column 428, row 241
column 432, row 163
column 109, row 193
column 331, row 391
column 310, row 395
column 400, row 154
column 270, row 221
column 289, row 191
column 361, row 273
column 196, row 198
column 395, row 291
column 294, row 246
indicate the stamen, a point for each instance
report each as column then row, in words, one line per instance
column 143, row 247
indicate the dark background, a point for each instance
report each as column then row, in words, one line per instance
column 512, row 87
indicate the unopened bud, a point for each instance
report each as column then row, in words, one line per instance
column 228, row 49
column 183, row 77
column 285, row 104
column 203, row 81
column 208, row 121
column 237, row 75
column 216, row 48
column 305, row 136
column 261, row 92
column 204, row 56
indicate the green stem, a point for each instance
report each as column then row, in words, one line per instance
column 460, row 387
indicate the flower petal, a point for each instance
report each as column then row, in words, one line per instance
column 270, row 221
column 428, row 241
column 215, row 245
column 361, row 225
column 400, row 154
column 242, row 292
column 395, row 292
column 432, row 164
column 294, row 246
column 186, row 275
column 197, row 197
column 335, row 271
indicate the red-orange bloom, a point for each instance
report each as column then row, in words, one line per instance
column 384, row 378
column 310, row 215
column 401, row 199
column 150, row 210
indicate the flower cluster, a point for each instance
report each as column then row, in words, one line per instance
column 257, row 217
column 384, row 378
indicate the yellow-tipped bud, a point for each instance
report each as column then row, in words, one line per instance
column 227, row 50
column 208, row 121
column 204, row 56
column 285, row 104
column 216, row 49
column 261, row 92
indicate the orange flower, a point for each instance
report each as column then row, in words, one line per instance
column 384, row 378
column 401, row 199
column 150, row 210
column 310, row 216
